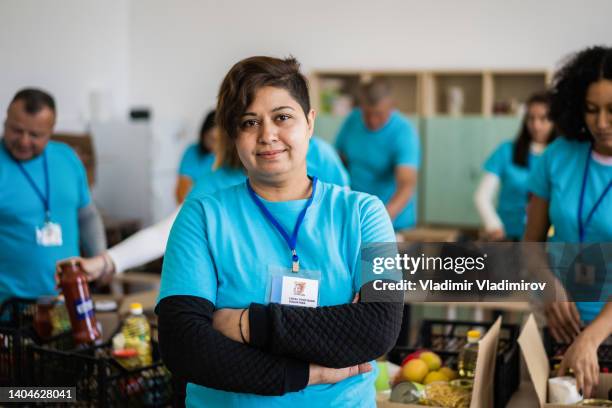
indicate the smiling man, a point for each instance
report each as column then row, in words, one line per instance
column 45, row 205
column 381, row 151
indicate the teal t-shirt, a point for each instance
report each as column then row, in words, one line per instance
column 373, row 156
column 223, row 249
column 193, row 164
column 513, row 194
column 323, row 161
column 27, row 269
column 557, row 177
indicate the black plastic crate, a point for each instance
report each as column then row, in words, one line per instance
column 16, row 332
column 447, row 338
column 99, row 379
column 555, row 352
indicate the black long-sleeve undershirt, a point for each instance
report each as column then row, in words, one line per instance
column 289, row 337
column 199, row 354
column 334, row 336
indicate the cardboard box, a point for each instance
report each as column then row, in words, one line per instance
column 538, row 366
column 482, row 394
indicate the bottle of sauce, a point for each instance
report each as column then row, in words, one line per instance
column 43, row 324
column 79, row 304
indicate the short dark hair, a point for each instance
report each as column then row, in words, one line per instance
column 208, row 124
column 523, row 140
column 34, row 100
column 371, row 93
column 246, row 77
column 570, row 85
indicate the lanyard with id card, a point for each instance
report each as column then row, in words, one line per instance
column 587, row 271
column 50, row 233
column 290, row 286
column 293, row 288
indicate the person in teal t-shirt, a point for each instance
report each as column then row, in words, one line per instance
column 382, row 153
column 46, row 211
column 507, row 171
column 571, row 191
column 323, row 161
column 259, row 283
column 198, row 158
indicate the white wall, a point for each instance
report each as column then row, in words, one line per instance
column 171, row 55
column 180, row 50
column 68, row 47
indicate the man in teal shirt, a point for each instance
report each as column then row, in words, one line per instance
column 46, row 211
column 382, row 153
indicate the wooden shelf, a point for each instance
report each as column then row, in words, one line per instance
column 426, row 93
column 470, row 85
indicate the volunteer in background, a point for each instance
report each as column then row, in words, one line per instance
column 149, row 243
column 198, row 158
column 232, row 251
column 45, row 205
column 381, row 151
column 508, row 168
column 571, row 190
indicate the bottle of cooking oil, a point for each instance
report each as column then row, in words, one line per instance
column 468, row 355
column 137, row 334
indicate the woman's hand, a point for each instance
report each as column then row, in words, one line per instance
column 325, row 375
column 581, row 357
column 98, row 268
column 563, row 321
column 227, row 321
column 495, row 235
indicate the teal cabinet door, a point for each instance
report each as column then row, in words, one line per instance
column 327, row 125
column 455, row 149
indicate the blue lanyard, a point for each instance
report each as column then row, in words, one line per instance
column 291, row 240
column 44, row 198
column 583, row 225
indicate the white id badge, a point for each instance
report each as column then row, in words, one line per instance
column 294, row 289
column 49, row 235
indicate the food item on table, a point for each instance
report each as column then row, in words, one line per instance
column 412, row 356
column 432, row 359
column 382, row 381
column 468, row 355
column 60, row 319
column 128, row 358
column 415, row 370
column 43, row 324
column 562, row 390
column 406, row 392
column 434, row 376
column 448, row 372
column 137, row 334
column 73, row 282
column 444, row 395
column 463, row 383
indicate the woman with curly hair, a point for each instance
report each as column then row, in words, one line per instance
column 571, row 191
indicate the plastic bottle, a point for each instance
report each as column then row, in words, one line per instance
column 137, row 334
column 73, row 282
column 468, row 355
